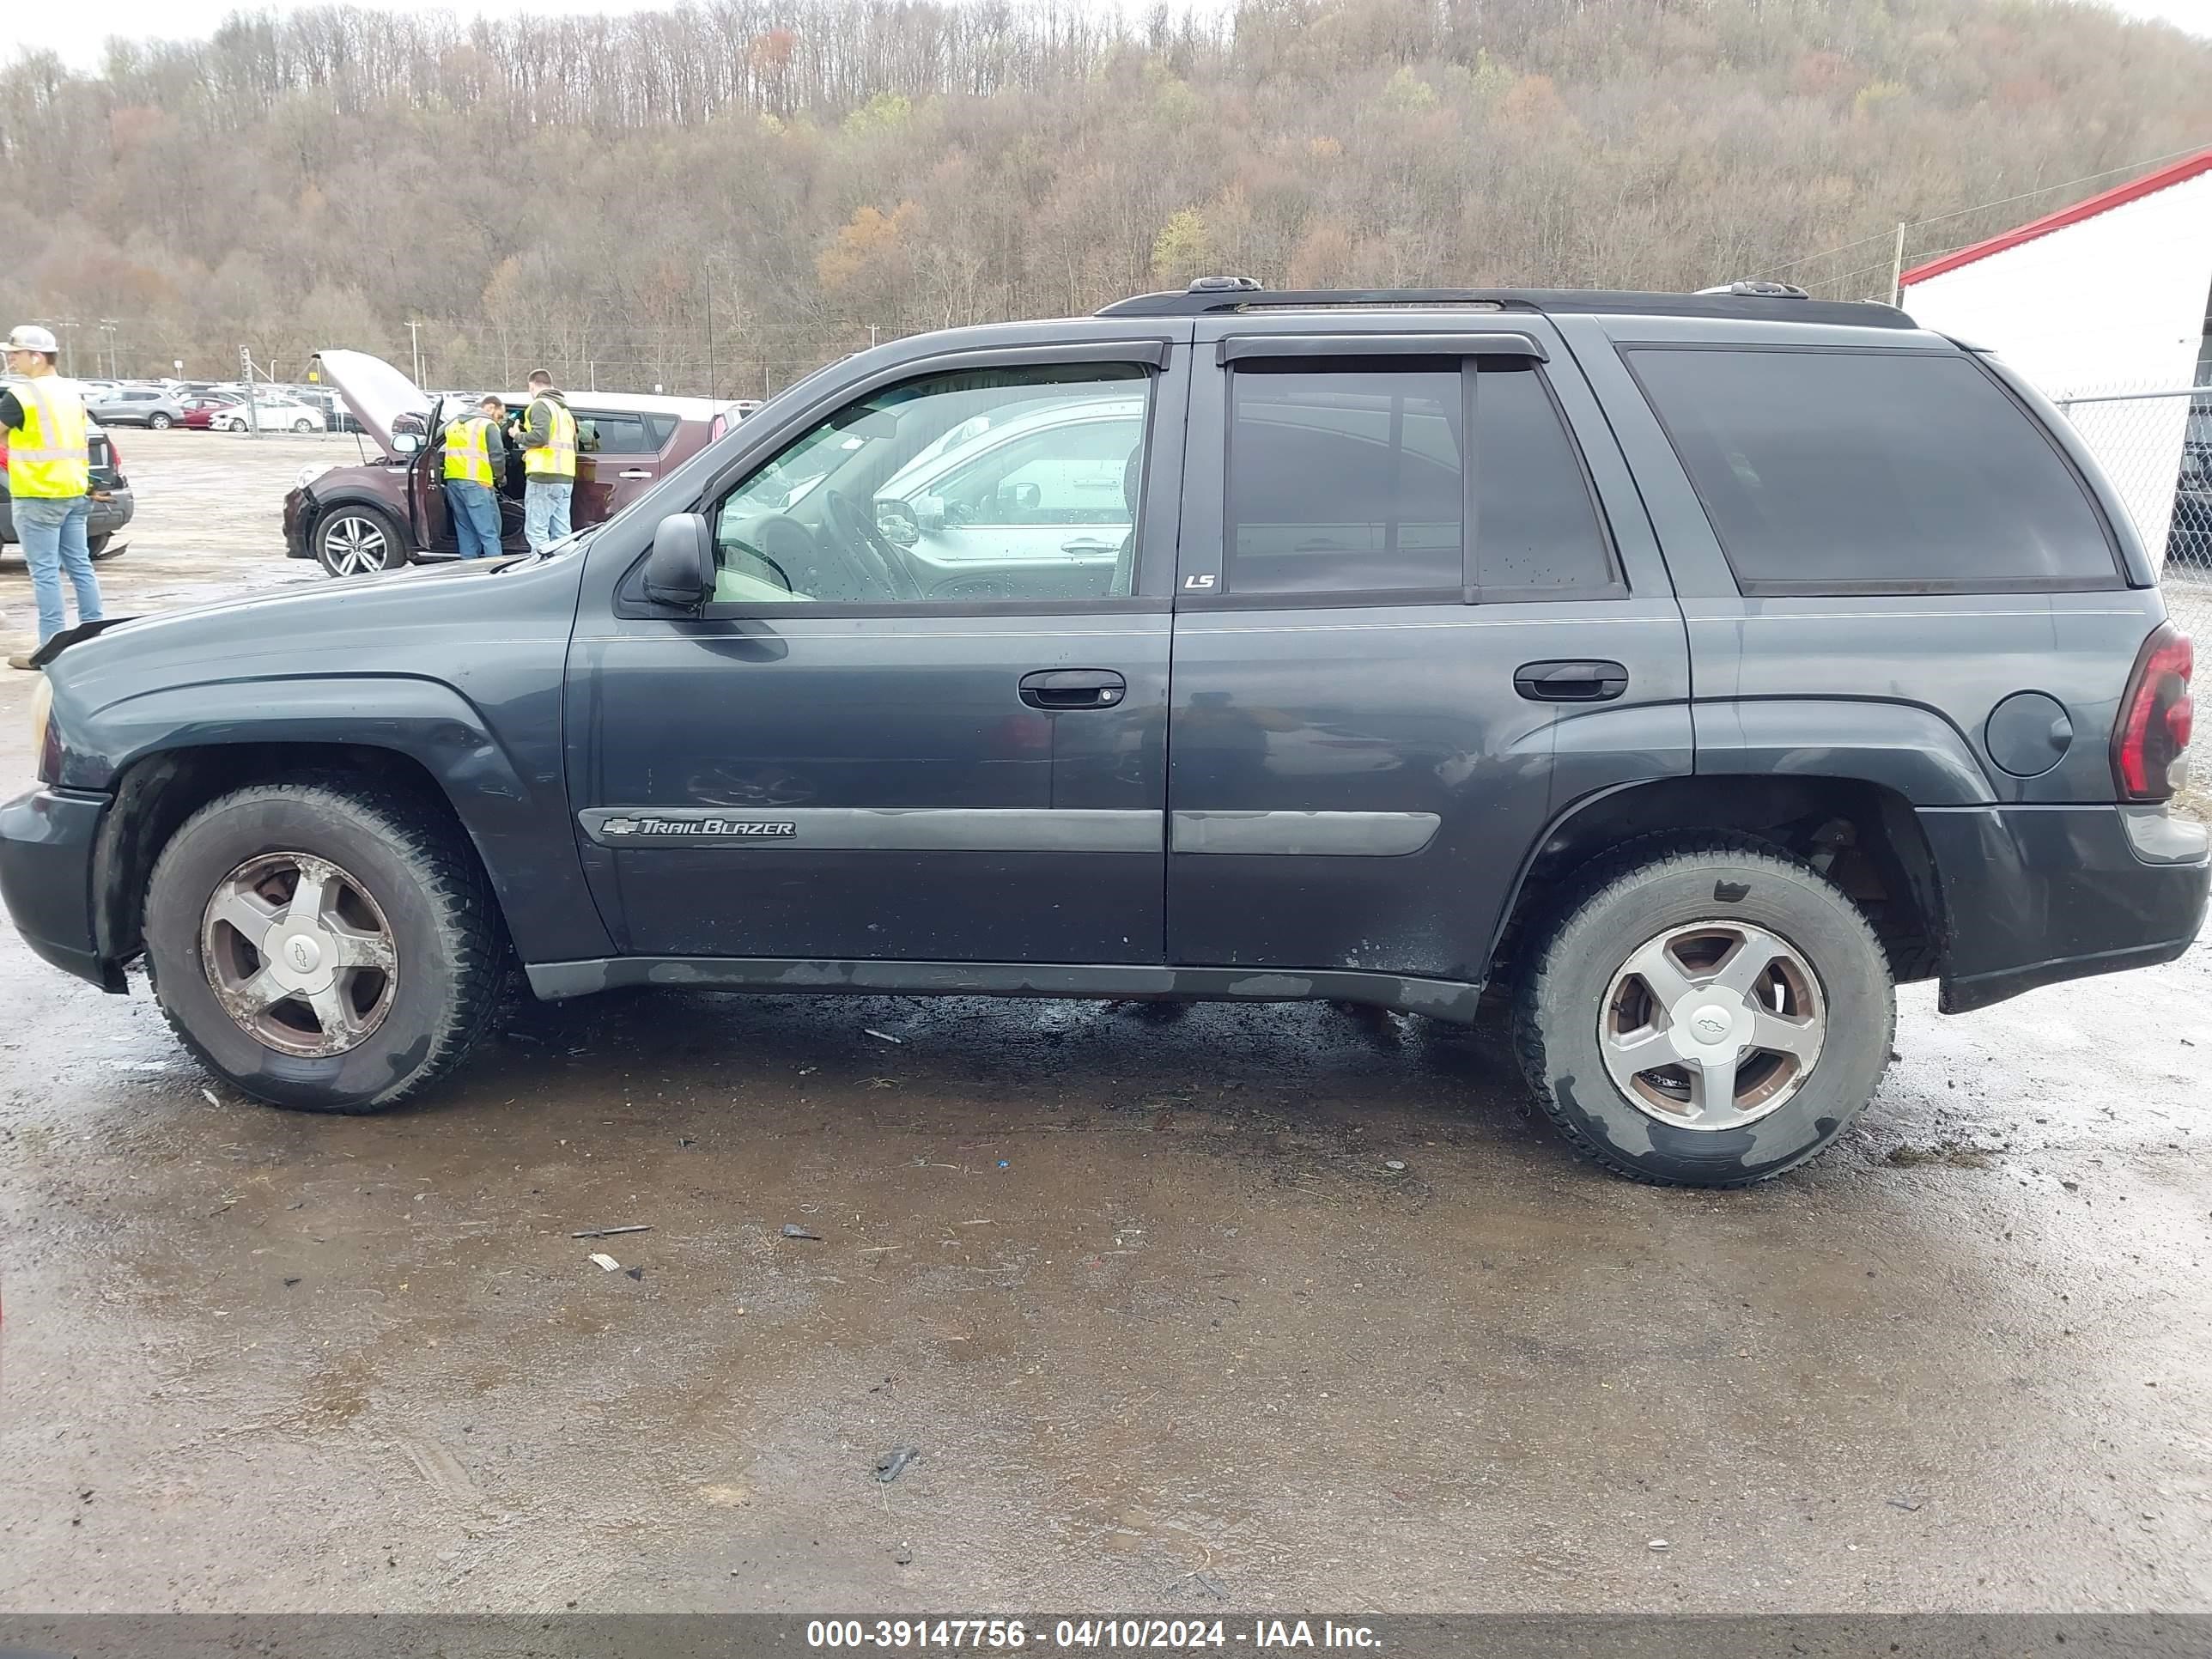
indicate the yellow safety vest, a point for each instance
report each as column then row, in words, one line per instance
column 557, row 456
column 468, row 451
column 49, row 458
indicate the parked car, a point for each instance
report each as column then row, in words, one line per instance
column 2188, row 539
column 336, row 417
column 113, row 502
column 268, row 412
column 138, row 405
column 1386, row 698
column 202, row 408
column 383, row 514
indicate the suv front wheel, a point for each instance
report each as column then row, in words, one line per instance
column 1705, row 1013
column 321, row 949
column 355, row 541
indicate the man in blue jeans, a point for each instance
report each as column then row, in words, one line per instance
column 49, row 472
column 548, row 438
column 475, row 460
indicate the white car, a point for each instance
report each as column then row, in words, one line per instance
column 270, row 412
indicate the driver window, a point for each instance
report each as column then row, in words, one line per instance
column 1003, row 483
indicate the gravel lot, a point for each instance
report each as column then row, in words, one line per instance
column 1166, row 1329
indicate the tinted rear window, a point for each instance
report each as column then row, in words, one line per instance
column 1855, row 471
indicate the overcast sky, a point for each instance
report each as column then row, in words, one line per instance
column 77, row 32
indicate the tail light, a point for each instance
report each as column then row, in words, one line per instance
column 115, row 454
column 2155, row 717
column 718, row 429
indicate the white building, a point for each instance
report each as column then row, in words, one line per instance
column 2109, row 295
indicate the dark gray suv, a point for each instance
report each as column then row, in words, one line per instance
column 1694, row 668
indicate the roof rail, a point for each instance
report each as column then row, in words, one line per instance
column 1222, row 295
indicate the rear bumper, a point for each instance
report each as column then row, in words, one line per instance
column 111, row 510
column 2035, row 894
column 47, row 842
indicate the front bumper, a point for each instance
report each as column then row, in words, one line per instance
column 2035, row 894
column 48, row 840
column 298, row 515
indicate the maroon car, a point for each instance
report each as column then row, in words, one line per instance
column 391, row 510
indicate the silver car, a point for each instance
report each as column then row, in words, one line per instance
column 136, row 405
column 1041, row 486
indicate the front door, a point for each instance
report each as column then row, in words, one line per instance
column 1417, row 614
column 844, row 758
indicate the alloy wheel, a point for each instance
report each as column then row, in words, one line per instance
column 1712, row 1026
column 354, row 546
column 298, row 955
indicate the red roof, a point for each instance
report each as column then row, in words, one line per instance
column 2188, row 167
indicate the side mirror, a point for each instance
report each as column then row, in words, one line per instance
column 680, row 569
column 406, row 443
column 900, row 523
column 1020, row 497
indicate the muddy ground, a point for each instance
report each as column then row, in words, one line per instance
column 1165, row 1326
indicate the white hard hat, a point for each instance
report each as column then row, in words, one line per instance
column 29, row 337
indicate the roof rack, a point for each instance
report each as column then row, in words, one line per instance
column 1210, row 296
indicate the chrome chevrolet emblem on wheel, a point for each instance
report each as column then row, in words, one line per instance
column 298, row 955
column 1713, row 1025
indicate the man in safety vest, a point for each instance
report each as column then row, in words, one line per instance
column 548, row 462
column 49, row 471
column 476, row 460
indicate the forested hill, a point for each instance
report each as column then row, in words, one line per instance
column 582, row 191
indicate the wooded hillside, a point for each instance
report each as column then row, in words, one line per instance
column 582, row 192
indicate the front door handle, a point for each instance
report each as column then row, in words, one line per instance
column 1571, row 682
column 1074, row 687
column 1087, row 544
column 635, row 472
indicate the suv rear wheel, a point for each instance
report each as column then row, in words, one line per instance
column 1705, row 1013
column 354, row 541
column 322, row 950
column 160, row 422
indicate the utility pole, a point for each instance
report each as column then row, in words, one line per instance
column 872, row 336
column 67, row 327
column 415, row 342
column 107, row 326
column 1897, row 268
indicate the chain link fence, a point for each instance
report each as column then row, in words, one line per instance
column 2155, row 444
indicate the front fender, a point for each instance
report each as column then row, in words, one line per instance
column 515, row 815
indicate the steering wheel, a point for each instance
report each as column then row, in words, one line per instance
column 870, row 550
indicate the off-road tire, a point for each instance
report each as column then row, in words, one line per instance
column 452, row 952
column 1638, row 893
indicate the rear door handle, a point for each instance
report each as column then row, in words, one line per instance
column 1571, row 682
column 635, row 472
column 1082, row 545
column 1074, row 687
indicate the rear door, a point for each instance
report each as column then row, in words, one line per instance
column 1419, row 612
column 618, row 459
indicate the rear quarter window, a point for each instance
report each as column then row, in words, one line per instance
column 1844, row 471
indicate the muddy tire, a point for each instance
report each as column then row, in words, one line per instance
column 1704, row 1013
column 357, row 541
column 322, row 949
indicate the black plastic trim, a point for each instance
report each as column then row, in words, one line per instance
column 1451, row 1000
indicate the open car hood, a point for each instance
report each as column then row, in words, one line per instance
column 377, row 393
